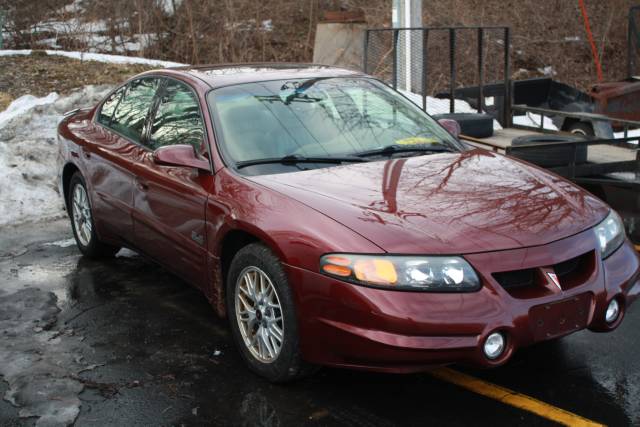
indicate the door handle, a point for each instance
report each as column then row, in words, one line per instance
column 87, row 154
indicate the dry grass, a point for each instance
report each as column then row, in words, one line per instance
column 5, row 100
column 40, row 74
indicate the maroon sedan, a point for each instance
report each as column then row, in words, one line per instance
column 335, row 223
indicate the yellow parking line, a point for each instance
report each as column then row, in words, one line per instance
column 512, row 398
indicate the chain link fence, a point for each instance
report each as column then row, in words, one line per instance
column 430, row 64
column 633, row 40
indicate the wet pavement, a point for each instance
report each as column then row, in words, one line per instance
column 123, row 342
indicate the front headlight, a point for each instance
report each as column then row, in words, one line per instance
column 610, row 234
column 416, row 273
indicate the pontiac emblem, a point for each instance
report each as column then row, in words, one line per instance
column 554, row 279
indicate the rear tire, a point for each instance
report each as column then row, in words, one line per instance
column 257, row 294
column 81, row 216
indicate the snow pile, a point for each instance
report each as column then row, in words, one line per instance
column 24, row 104
column 100, row 57
column 441, row 106
column 533, row 120
column 28, row 150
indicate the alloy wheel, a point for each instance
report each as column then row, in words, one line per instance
column 259, row 314
column 81, row 213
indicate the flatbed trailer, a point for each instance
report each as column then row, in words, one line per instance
column 611, row 171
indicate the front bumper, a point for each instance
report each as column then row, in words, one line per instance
column 341, row 324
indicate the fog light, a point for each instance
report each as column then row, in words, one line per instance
column 613, row 311
column 494, row 345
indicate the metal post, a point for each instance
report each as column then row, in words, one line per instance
column 507, row 80
column 629, row 44
column 572, row 163
column 365, row 56
column 2, row 18
column 394, row 75
column 480, row 69
column 425, row 50
column 407, row 14
column 452, row 61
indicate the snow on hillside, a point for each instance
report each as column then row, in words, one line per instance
column 100, row 57
column 28, row 150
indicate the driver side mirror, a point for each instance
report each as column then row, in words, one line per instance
column 451, row 126
column 180, row 155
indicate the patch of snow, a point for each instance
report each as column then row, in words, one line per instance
column 169, row 6
column 12, row 52
column 74, row 7
column 249, row 25
column 100, row 57
column 267, row 25
column 533, row 120
column 28, row 150
column 61, row 243
column 633, row 133
column 547, row 71
column 24, row 104
column 73, row 25
column 572, row 39
column 126, row 253
column 441, row 106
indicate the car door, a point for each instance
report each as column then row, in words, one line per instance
column 169, row 201
column 119, row 127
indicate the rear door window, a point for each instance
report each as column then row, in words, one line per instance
column 131, row 113
column 177, row 119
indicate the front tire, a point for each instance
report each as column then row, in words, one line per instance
column 82, row 224
column 262, row 315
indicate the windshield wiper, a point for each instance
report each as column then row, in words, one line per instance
column 393, row 149
column 293, row 159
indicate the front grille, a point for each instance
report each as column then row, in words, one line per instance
column 530, row 282
column 566, row 268
column 516, row 279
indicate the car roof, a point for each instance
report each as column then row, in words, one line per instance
column 229, row 74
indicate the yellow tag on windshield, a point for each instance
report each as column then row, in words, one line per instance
column 416, row 140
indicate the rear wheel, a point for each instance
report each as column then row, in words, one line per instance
column 82, row 220
column 581, row 128
column 262, row 315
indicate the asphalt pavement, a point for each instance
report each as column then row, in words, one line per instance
column 124, row 342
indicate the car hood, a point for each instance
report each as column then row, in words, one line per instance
column 449, row 203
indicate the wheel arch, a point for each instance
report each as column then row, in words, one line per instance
column 230, row 243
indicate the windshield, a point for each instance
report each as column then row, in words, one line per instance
column 320, row 118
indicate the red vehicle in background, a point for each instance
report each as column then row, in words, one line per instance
column 335, row 223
